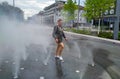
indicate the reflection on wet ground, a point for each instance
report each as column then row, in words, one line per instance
column 83, row 60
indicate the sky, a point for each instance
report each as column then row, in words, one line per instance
column 31, row 7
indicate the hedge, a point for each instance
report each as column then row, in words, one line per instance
column 88, row 32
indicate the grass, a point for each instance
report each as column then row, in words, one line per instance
column 87, row 32
column 106, row 35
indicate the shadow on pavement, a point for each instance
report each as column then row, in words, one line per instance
column 101, row 57
column 59, row 69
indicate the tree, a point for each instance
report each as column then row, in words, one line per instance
column 95, row 9
column 11, row 12
column 70, row 7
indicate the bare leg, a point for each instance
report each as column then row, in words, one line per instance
column 61, row 48
column 57, row 50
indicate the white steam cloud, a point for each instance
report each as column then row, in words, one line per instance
column 16, row 36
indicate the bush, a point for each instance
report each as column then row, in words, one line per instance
column 87, row 32
column 106, row 35
column 119, row 36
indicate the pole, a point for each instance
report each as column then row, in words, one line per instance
column 99, row 26
column 55, row 16
column 117, row 21
column 13, row 3
column 78, row 13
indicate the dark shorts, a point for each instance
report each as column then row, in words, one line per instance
column 60, row 40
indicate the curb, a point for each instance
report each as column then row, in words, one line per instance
column 94, row 38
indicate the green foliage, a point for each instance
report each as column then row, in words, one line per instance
column 119, row 36
column 11, row 12
column 70, row 7
column 87, row 32
column 96, row 8
column 106, row 35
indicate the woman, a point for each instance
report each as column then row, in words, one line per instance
column 58, row 35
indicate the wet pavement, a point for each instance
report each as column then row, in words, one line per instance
column 84, row 59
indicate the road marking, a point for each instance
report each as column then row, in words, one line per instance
column 15, row 77
column 22, row 68
column 77, row 71
column 93, row 64
column 42, row 77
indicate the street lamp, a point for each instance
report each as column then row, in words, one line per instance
column 14, row 3
column 78, row 13
column 117, row 21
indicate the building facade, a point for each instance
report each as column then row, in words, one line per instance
column 53, row 12
column 109, row 18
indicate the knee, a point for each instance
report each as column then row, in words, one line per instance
column 62, row 45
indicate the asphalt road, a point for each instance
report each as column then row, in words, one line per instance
column 79, row 56
column 84, row 59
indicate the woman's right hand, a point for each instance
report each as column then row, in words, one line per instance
column 56, row 40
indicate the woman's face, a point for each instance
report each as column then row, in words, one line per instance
column 60, row 23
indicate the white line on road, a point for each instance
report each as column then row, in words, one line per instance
column 42, row 77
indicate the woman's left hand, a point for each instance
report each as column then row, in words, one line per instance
column 66, row 39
